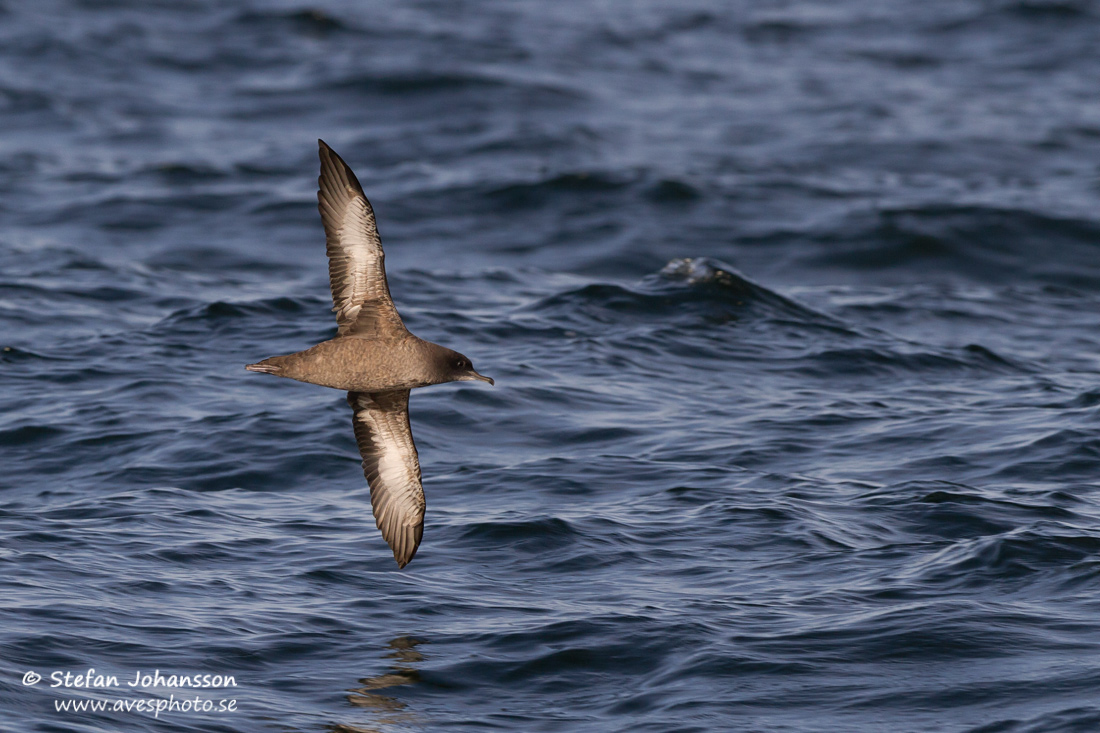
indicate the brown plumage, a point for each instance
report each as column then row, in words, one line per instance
column 373, row 357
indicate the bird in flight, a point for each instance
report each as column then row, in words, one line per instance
column 373, row 357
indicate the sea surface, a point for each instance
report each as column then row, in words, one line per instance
column 793, row 309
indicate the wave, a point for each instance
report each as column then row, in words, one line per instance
column 222, row 309
column 429, row 82
column 979, row 242
column 684, row 287
column 544, row 191
column 699, row 307
column 307, row 22
column 888, row 358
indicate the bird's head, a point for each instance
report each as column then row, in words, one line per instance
column 459, row 368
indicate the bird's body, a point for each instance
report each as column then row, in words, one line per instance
column 373, row 357
column 360, row 365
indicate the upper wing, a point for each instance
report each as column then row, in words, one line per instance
column 389, row 461
column 356, row 269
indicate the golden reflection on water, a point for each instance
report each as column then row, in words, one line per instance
column 391, row 711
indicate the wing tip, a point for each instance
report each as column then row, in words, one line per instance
column 330, row 156
column 405, row 544
column 405, row 559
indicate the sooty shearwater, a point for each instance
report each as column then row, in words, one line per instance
column 373, row 357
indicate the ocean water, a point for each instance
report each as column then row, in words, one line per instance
column 793, row 308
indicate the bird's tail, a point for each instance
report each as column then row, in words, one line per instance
column 267, row 366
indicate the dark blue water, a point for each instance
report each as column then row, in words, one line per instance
column 793, row 308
